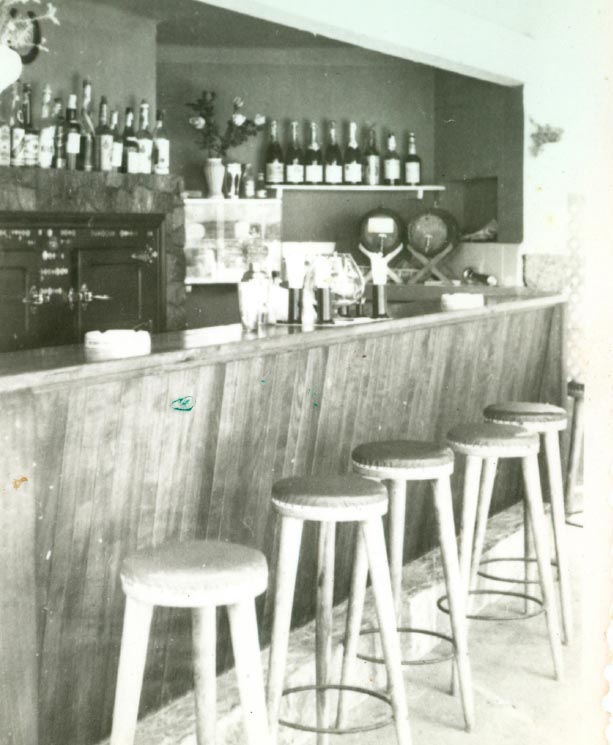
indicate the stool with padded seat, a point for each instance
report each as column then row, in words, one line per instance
column 483, row 445
column 576, row 391
column 397, row 462
column 547, row 421
column 328, row 500
column 200, row 575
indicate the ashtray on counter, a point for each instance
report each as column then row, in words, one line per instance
column 115, row 344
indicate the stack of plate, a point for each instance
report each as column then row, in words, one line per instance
column 116, row 343
column 462, row 300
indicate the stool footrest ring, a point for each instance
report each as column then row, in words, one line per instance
column 574, row 523
column 493, row 617
column 512, row 580
column 409, row 630
column 338, row 730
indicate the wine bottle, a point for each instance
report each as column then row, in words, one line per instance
column 31, row 135
column 73, row 133
column 294, row 159
column 103, row 149
column 391, row 163
column 372, row 161
column 274, row 157
column 314, row 169
column 248, row 182
column 333, row 171
column 88, row 131
column 260, row 186
column 5, row 133
column 412, row 164
column 145, row 140
column 59, row 135
column 352, row 170
column 131, row 158
column 17, row 129
column 117, row 158
column 47, row 131
column 161, row 147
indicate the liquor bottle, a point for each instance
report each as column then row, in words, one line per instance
column 248, row 182
column 333, row 168
column 372, row 161
column 260, row 186
column 117, row 159
column 294, row 159
column 352, row 169
column 274, row 157
column 391, row 163
column 145, row 140
column 30, row 138
column 5, row 133
column 73, row 133
column 17, row 129
column 131, row 157
column 412, row 164
column 59, row 135
column 88, row 131
column 314, row 169
column 47, row 131
column 103, row 149
column 161, row 147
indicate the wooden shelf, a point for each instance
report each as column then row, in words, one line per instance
column 419, row 190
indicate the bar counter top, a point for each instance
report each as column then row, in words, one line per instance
column 182, row 349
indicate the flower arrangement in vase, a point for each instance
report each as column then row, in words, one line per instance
column 239, row 129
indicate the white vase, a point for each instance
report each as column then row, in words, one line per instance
column 214, row 172
column 10, row 66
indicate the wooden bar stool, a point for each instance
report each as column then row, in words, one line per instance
column 397, row 462
column 576, row 391
column 328, row 500
column 547, row 421
column 200, row 575
column 483, row 445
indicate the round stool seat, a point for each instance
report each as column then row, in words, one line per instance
column 536, row 417
column 337, row 498
column 411, row 460
column 493, row 440
column 194, row 574
column 576, row 390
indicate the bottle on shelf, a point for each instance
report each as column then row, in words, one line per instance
column 333, row 166
column 145, row 140
column 59, row 135
column 117, row 157
column 352, row 168
column 17, row 128
column 260, row 186
column 274, row 157
column 31, row 135
column 103, row 149
column 313, row 163
column 88, row 131
column 161, row 147
column 294, row 159
column 131, row 156
column 73, row 133
column 391, row 163
column 372, row 161
column 47, row 131
column 247, row 182
column 412, row 164
column 5, row 132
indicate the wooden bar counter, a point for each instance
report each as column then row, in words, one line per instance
column 96, row 461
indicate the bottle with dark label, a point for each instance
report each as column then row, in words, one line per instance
column 31, row 135
column 59, row 135
column 352, row 170
column 274, row 157
column 47, row 131
column 372, row 161
column 131, row 156
column 391, row 163
column 88, row 131
column 17, row 129
column 117, row 159
column 294, row 159
column 145, row 140
column 5, row 132
column 161, row 147
column 73, row 133
column 412, row 164
column 104, row 139
column 333, row 166
column 314, row 168
column 260, row 186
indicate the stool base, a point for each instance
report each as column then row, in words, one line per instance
column 410, row 630
column 490, row 617
column 512, row 580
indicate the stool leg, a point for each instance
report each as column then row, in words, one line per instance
column 574, row 456
column 397, row 511
column 384, row 601
column 132, row 658
column 204, row 640
column 443, row 505
column 528, row 554
column 354, row 619
column 543, row 555
column 470, row 497
column 488, row 477
column 287, row 565
column 323, row 625
column 554, row 470
column 246, row 647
